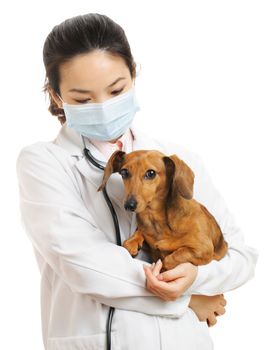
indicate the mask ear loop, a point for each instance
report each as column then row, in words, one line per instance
column 60, row 98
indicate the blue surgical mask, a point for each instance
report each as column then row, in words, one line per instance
column 103, row 121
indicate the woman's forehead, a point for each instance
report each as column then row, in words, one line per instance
column 94, row 69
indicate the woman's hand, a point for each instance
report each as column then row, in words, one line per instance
column 171, row 284
column 208, row 307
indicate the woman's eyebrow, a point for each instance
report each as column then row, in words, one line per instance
column 115, row 82
column 88, row 91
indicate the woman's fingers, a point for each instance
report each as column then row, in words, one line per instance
column 220, row 310
column 173, row 282
column 157, row 267
column 173, row 274
column 211, row 320
column 223, row 301
column 151, row 278
column 160, row 288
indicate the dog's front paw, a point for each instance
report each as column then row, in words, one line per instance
column 132, row 245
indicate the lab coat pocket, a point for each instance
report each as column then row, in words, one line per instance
column 91, row 342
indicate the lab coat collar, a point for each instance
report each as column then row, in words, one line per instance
column 70, row 140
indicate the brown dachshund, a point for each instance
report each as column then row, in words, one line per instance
column 175, row 226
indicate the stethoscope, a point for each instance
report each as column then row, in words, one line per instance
column 91, row 159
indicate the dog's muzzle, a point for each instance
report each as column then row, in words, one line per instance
column 130, row 204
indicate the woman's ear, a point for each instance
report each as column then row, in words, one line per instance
column 135, row 72
column 114, row 165
column 180, row 175
column 54, row 97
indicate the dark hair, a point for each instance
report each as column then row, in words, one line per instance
column 79, row 35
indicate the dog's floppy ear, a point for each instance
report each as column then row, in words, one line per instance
column 113, row 165
column 180, row 175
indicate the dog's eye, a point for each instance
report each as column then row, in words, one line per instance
column 150, row 174
column 124, row 173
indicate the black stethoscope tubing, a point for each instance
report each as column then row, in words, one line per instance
column 90, row 158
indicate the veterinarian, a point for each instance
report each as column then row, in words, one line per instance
column 84, row 272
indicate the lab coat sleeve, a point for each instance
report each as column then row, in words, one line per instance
column 64, row 232
column 238, row 265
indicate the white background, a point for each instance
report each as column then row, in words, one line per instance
column 210, row 80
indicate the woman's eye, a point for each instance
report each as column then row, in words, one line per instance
column 117, row 91
column 83, row 101
column 150, row 174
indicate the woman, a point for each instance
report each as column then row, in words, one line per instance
column 90, row 79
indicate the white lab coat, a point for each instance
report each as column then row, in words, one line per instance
column 84, row 271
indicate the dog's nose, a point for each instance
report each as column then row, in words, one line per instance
column 130, row 204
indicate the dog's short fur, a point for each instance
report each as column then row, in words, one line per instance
column 175, row 226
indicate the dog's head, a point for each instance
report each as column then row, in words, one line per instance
column 149, row 176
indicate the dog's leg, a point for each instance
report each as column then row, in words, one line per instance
column 188, row 254
column 134, row 243
column 167, row 244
